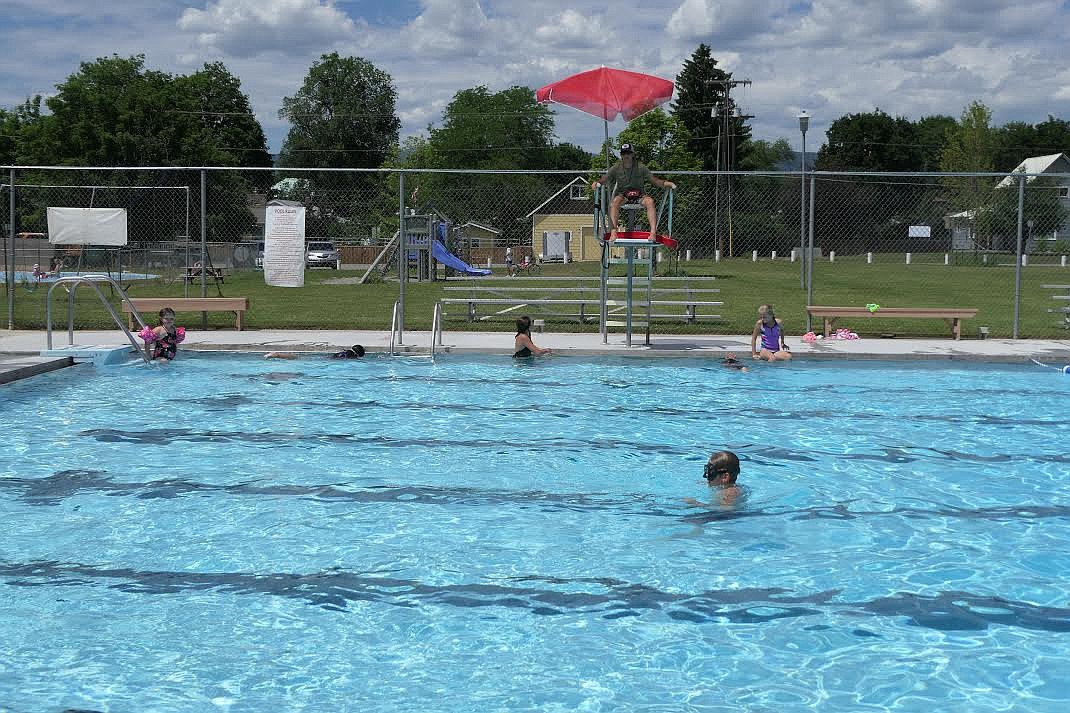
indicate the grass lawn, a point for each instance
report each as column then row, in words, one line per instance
column 744, row 285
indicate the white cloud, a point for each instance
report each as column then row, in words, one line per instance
column 244, row 28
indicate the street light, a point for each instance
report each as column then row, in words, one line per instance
column 804, row 124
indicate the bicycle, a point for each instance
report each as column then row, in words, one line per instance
column 529, row 267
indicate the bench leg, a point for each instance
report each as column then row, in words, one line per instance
column 828, row 325
column 956, row 328
column 130, row 320
column 237, row 321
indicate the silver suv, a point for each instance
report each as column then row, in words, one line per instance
column 322, row 253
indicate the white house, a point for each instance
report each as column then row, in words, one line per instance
column 1034, row 166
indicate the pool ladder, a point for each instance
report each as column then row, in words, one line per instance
column 436, row 328
column 395, row 329
column 92, row 280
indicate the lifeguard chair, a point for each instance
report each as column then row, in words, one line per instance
column 637, row 249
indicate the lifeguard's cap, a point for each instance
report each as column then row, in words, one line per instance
column 626, row 148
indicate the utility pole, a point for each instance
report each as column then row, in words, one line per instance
column 726, row 147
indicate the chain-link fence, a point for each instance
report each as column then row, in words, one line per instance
column 992, row 242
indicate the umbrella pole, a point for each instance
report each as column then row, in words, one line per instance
column 605, row 123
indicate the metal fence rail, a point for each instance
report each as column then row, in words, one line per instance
column 909, row 240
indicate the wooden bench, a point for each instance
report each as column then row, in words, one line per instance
column 1064, row 311
column 151, row 305
column 952, row 316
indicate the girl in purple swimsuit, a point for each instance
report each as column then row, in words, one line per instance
column 771, row 331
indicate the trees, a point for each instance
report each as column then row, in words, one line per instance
column 481, row 129
column 222, row 129
column 701, row 90
column 343, row 116
column 661, row 142
column 971, row 149
column 871, row 141
column 115, row 112
column 506, row 129
column 931, row 133
column 12, row 124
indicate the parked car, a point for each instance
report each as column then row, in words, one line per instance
column 322, row 253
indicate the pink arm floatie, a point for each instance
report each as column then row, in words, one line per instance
column 180, row 334
column 148, row 334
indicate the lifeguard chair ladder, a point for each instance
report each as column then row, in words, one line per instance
column 640, row 257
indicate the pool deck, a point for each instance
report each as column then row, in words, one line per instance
column 20, row 349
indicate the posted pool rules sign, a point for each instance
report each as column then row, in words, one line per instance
column 284, row 246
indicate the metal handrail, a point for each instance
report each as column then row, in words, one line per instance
column 394, row 319
column 436, row 328
column 92, row 280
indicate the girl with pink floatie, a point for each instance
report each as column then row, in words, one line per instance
column 161, row 343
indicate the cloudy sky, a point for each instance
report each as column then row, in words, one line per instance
column 829, row 57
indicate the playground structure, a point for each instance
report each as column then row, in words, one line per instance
column 425, row 247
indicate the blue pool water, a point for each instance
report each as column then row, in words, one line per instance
column 27, row 276
column 235, row 534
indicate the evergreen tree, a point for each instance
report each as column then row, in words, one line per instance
column 701, row 89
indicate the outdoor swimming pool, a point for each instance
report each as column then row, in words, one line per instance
column 26, row 276
column 232, row 533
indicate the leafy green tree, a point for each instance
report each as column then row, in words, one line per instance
column 506, row 129
column 481, row 129
column 222, row 128
column 566, row 156
column 12, row 125
column 1014, row 141
column 872, row 141
column 931, row 133
column 661, row 141
column 343, row 116
column 971, row 149
column 767, row 155
column 1052, row 136
column 112, row 112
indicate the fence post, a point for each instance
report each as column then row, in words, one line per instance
column 403, row 257
column 869, row 258
column 772, row 255
column 687, row 257
column 810, row 262
column 754, row 256
column 1018, row 263
column 204, row 244
column 832, row 256
column 716, row 255
column 11, row 252
column 908, row 258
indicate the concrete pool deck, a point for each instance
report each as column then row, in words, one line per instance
column 20, row 349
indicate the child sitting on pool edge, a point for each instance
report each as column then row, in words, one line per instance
column 771, row 330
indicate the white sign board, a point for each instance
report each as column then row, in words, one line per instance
column 87, row 226
column 284, row 246
column 919, row 231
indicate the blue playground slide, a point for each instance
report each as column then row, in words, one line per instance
column 444, row 256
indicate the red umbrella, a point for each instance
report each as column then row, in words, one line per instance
column 608, row 93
